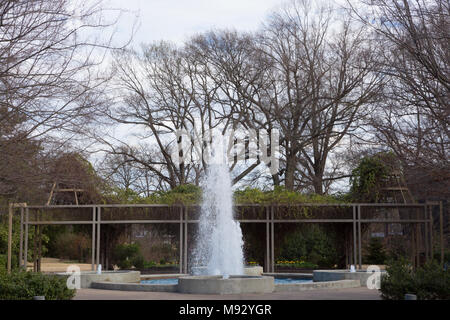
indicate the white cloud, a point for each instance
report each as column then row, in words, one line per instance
column 176, row 20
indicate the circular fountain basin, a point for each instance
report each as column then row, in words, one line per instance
column 232, row 285
column 89, row 277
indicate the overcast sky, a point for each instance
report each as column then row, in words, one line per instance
column 176, row 20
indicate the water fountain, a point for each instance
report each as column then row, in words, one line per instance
column 218, row 259
column 219, row 242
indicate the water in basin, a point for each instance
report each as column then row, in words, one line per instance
column 277, row 281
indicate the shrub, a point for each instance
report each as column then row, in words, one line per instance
column 16, row 242
column 311, row 244
column 437, row 255
column 368, row 177
column 430, row 282
column 149, row 264
column 192, row 194
column 4, row 262
column 24, row 285
column 397, row 282
column 186, row 194
column 138, row 262
column 376, row 253
column 279, row 195
column 128, row 255
column 297, row 264
column 294, row 246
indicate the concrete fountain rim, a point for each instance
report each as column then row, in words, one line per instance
column 235, row 284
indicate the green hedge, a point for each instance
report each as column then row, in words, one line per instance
column 280, row 195
column 128, row 255
column 191, row 194
column 4, row 262
column 376, row 254
column 311, row 244
column 430, row 282
column 24, row 285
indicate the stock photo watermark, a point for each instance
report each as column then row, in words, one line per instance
column 74, row 280
column 374, row 280
column 197, row 146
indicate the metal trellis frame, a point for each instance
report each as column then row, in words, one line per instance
column 268, row 218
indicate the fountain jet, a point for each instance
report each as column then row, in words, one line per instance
column 219, row 247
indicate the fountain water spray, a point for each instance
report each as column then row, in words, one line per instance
column 219, row 247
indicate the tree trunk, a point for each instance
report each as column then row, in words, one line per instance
column 318, row 183
column 276, row 179
column 290, row 171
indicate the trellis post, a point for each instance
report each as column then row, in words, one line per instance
column 21, row 239
column 185, row 239
column 272, row 241
column 267, row 241
column 425, row 213
column 93, row 240
column 27, row 217
column 98, row 234
column 354, row 236
column 10, row 219
column 441, row 228
column 359, row 237
column 181, row 240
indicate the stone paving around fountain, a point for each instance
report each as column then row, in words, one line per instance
column 360, row 293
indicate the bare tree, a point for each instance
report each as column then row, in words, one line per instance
column 229, row 62
column 120, row 172
column 296, row 76
column 50, row 80
column 319, row 80
column 343, row 93
column 47, row 74
column 157, row 95
column 413, row 121
column 165, row 90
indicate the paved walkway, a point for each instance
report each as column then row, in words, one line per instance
column 329, row 294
